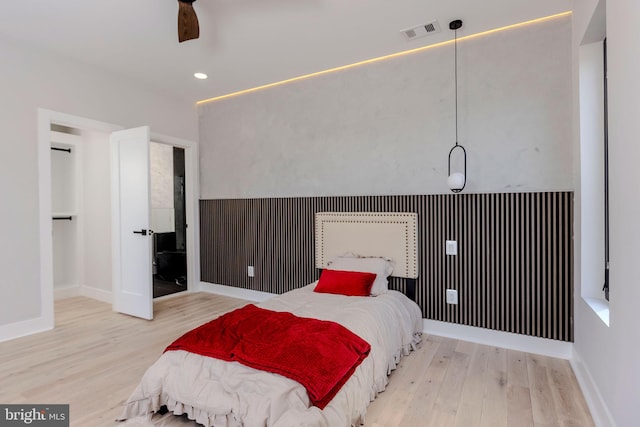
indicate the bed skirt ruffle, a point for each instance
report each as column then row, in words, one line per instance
column 151, row 405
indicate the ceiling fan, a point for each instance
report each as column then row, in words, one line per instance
column 188, row 28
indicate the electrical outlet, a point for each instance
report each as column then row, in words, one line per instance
column 452, row 296
column 250, row 271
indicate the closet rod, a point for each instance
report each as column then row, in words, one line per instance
column 68, row 218
column 68, row 150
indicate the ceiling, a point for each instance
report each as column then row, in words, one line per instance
column 245, row 43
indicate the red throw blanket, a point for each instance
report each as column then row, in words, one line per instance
column 320, row 355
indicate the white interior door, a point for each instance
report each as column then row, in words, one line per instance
column 131, row 218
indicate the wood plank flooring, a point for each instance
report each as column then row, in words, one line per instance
column 94, row 358
column 456, row 383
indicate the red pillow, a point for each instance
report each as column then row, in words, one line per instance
column 350, row 283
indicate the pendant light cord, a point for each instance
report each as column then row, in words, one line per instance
column 455, row 44
column 454, row 180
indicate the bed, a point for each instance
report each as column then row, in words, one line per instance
column 350, row 248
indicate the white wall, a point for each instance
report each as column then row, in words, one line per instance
column 30, row 79
column 387, row 127
column 607, row 357
column 65, row 254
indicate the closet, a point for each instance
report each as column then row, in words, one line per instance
column 81, row 213
column 66, row 179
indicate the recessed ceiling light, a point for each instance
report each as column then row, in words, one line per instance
column 200, row 76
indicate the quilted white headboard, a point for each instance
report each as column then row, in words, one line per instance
column 386, row 234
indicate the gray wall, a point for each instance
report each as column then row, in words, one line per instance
column 387, row 127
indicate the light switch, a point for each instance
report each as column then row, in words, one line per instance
column 451, row 247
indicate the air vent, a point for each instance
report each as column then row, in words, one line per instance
column 421, row 30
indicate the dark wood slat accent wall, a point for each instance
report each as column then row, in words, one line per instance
column 513, row 271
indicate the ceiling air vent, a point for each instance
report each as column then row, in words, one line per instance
column 421, row 30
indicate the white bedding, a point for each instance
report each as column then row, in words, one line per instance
column 228, row 394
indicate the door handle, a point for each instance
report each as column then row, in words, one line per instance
column 144, row 232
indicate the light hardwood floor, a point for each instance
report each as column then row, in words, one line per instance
column 94, row 358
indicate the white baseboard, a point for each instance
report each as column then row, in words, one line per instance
column 84, row 291
column 24, row 328
column 41, row 324
column 97, row 294
column 62, row 292
column 508, row 340
column 231, row 291
column 599, row 411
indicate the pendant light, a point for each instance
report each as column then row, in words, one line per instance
column 456, row 180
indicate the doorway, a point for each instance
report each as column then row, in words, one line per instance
column 168, row 219
column 86, row 283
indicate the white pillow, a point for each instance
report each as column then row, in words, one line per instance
column 382, row 267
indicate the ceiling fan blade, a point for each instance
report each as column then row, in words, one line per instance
column 188, row 28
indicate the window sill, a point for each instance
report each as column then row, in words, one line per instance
column 600, row 307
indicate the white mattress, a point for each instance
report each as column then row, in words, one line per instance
column 217, row 393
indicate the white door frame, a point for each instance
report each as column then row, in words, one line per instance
column 45, row 119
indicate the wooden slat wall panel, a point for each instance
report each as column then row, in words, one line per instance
column 513, row 271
